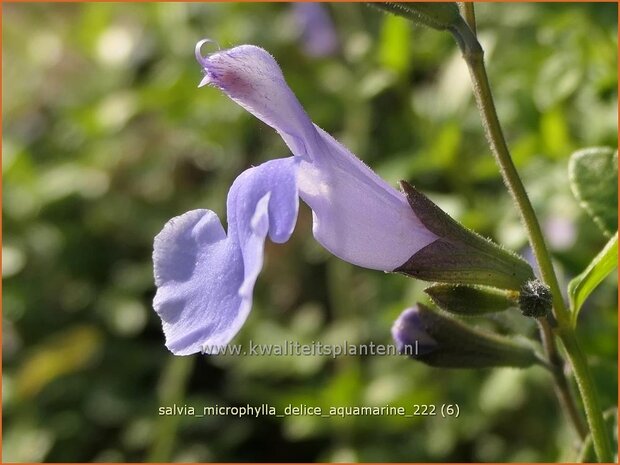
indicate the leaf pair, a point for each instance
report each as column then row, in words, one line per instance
column 593, row 177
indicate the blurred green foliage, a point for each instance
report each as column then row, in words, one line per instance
column 106, row 137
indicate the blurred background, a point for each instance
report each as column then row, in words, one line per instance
column 106, row 137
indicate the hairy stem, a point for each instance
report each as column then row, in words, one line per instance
column 594, row 412
column 474, row 57
column 467, row 12
column 562, row 388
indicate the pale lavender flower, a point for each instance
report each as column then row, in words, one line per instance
column 317, row 32
column 205, row 277
column 560, row 232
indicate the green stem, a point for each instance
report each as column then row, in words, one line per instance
column 474, row 57
column 593, row 409
column 562, row 389
column 468, row 13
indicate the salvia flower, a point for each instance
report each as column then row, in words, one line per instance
column 205, row 276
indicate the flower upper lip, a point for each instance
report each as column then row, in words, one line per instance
column 198, row 51
column 203, row 61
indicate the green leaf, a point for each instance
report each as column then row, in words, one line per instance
column 582, row 286
column 593, row 174
column 438, row 15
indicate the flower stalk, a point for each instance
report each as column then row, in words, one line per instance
column 473, row 55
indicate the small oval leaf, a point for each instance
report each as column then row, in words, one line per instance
column 593, row 174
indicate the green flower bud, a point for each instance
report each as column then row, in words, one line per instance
column 471, row 300
column 535, row 299
column 445, row 342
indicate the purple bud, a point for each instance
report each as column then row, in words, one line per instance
column 446, row 342
column 409, row 330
